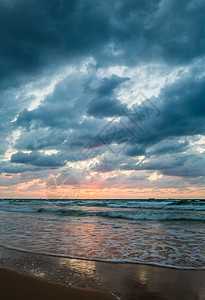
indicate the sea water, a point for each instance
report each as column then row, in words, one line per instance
column 166, row 232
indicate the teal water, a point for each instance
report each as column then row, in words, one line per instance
column 162, row 232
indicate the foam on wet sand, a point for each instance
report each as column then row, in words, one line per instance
column 83, row 278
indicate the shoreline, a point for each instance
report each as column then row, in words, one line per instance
column 101, row 260
column 122, row 280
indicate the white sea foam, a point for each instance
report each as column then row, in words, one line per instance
column 156, row 232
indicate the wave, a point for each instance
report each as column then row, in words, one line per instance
column 124, row 261
column 129, row 214
column 187, row 202
column 120, row 215
column 113, row 203
column 129, row 209
column 19, row 210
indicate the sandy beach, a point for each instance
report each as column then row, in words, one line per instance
column 14, row 285
column 25, row 275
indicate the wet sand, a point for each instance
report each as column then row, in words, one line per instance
column 15, row 286
column 124, row 281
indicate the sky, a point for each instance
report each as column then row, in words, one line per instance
column 102, row 99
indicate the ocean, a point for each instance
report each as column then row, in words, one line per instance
column 163, row 232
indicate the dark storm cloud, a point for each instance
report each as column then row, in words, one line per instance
column 40, row 139
column 169, row 146
column 108, row 85
column 38, row 159
column 105, row 107
column 36, row 34
column 182, row 113
column 183, row 109
column 45, row 116
column 135, row 151
column 104, row 104
column 41, row 33
column 11, row 102
column 71, row 100
column 193, row 167
column 12, row 168
column 39, row 37
column 58, row 110
column 187, row 165
column 59, row 121
column 166, row 146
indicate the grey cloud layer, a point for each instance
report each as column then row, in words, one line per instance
column 181, row 114
column 40, row 37
column 40, row 33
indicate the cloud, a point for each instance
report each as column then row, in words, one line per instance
column 16, row 168
column 127, row 33
column 60, row 122
column 67, row 85
column 38, row 159
column 40, row 139
column 135, row 151
column 105, row 107
column 181, row 112
column 169, row 146
column 108, row 85
column 182, row 165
